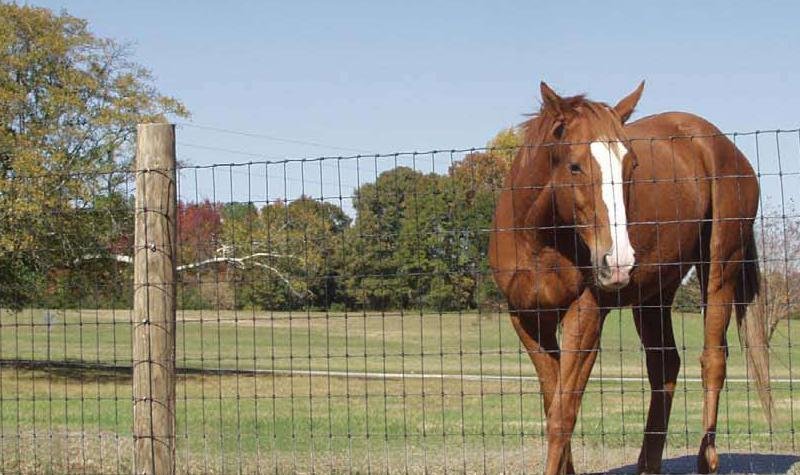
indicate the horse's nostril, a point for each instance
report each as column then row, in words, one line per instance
column 605, row 269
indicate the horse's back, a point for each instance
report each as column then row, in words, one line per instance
column 691, row 139
column 688, row 172
column 670, row 124
column 688, row 147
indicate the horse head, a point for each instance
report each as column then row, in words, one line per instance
column 587, row 157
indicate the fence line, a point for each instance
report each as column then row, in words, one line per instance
column 337, row 315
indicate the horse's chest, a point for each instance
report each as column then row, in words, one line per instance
column 557, row 281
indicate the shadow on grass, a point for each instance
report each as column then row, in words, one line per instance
column 73, row 369
column 728, row 463
column 81, row 370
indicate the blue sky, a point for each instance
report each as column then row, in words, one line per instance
column 387, row 76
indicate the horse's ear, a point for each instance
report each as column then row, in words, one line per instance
column 625, row 107
column 550, row 98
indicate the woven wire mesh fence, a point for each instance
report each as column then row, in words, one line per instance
column 65, row 347
column 339, row 315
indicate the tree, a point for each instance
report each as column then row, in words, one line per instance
column 477, row 180
column 199, row 234
column 301, row 246
column 371, row 259
column 421, row 239
column 778, row 241
column 69, row 104
column 199, row 230
column 487, row 169
column 688, row 297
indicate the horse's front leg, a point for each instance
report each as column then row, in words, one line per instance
column 580, row 342
column 537, row 332
column 654, row 323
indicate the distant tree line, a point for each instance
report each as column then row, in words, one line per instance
column 417, row 240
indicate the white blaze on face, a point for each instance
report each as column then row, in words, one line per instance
column 609, row 156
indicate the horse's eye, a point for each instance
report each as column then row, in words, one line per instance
column 574, row 168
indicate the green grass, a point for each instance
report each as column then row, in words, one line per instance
column 442, row 343
column 67, row 420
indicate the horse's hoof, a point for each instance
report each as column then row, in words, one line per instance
column 642, row 467
column 707, row 459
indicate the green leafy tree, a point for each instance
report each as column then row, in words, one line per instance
column 372, row 262
column 431, row 249
column 100, row 273
column 226, row 282
column 69, row 104
column 420, row 240
column 297, row 255
column 477, row 181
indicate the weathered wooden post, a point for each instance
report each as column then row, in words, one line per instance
column 154, row 301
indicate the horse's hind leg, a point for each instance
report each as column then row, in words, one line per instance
column 654, row 324
column 537, row 332
column 719, row 289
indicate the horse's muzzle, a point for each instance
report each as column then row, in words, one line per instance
column 613, row 275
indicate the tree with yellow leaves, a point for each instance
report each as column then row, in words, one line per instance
column 69, row 105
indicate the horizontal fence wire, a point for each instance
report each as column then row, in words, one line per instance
column 339, row 314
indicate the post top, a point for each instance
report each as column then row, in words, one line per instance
column 155, row 124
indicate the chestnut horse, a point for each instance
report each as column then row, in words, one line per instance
column 597, row 214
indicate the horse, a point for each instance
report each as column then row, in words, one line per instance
column 598, row 213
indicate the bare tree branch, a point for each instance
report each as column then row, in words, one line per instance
column 230, row 260
column 226, row 250
column 114, row 257
column 235, row 261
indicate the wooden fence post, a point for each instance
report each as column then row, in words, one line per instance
column 154, row 301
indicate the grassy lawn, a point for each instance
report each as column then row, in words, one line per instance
column 65, row 420
column 450, row 343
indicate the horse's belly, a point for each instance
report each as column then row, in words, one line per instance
column 663, row 258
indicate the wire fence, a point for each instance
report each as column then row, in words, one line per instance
column 338, row 314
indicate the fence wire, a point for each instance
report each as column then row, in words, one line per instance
column 338, row 314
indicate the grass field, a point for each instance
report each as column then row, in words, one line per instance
column 63, row 419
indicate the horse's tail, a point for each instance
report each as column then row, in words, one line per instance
column 753, row 326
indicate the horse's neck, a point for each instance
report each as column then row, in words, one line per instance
column 533, row 204
column 533, row 196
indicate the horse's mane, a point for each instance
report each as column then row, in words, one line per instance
column 541, row 122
